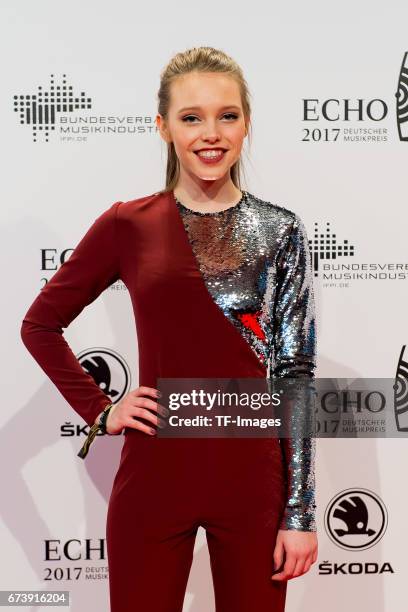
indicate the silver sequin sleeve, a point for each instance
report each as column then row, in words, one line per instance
column 294, row 355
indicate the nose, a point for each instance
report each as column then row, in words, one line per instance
column 210, row 132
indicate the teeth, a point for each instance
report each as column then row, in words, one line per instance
column 210, row 153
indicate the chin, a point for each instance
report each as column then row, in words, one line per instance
column 211, row 177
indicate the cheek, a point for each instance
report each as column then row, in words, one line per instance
column 237, row 135
column 182, row 143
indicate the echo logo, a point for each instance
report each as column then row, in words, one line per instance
column 402, row 100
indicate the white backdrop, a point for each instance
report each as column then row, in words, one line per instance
column 53, row 187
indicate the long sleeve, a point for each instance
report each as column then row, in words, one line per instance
column 92, row 267
column 294, row 356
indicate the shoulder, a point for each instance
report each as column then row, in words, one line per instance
column 282, row 222
column 127, row 208
column 122, row 210
column 277, row 213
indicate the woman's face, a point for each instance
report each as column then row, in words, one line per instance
column 205, row 114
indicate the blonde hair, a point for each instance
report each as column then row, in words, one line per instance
column 200, row 59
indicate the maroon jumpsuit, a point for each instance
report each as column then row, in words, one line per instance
column 251, row 317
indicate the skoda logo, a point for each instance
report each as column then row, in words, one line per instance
column 355, row 519
column 108, row 369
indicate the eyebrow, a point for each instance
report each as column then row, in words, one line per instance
column 185, row 108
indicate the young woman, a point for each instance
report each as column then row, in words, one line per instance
column 221, row 286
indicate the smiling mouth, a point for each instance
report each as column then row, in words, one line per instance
column 211, row 154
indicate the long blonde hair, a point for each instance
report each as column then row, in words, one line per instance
column 200, row 59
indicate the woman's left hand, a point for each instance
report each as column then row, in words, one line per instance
column 300, row 551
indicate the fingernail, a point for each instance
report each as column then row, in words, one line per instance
column 158, row 393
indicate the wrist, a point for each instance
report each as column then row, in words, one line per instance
column 99, row 425
column 104, row 417
column 96, row 421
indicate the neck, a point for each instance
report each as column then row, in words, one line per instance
column 197, row 192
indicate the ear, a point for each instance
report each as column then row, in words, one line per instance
column 163, row 128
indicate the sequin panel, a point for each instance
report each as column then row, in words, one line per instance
column 255, row 261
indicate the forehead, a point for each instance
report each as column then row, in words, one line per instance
column 206, row 90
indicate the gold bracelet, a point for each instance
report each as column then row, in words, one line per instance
column 91, row 436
